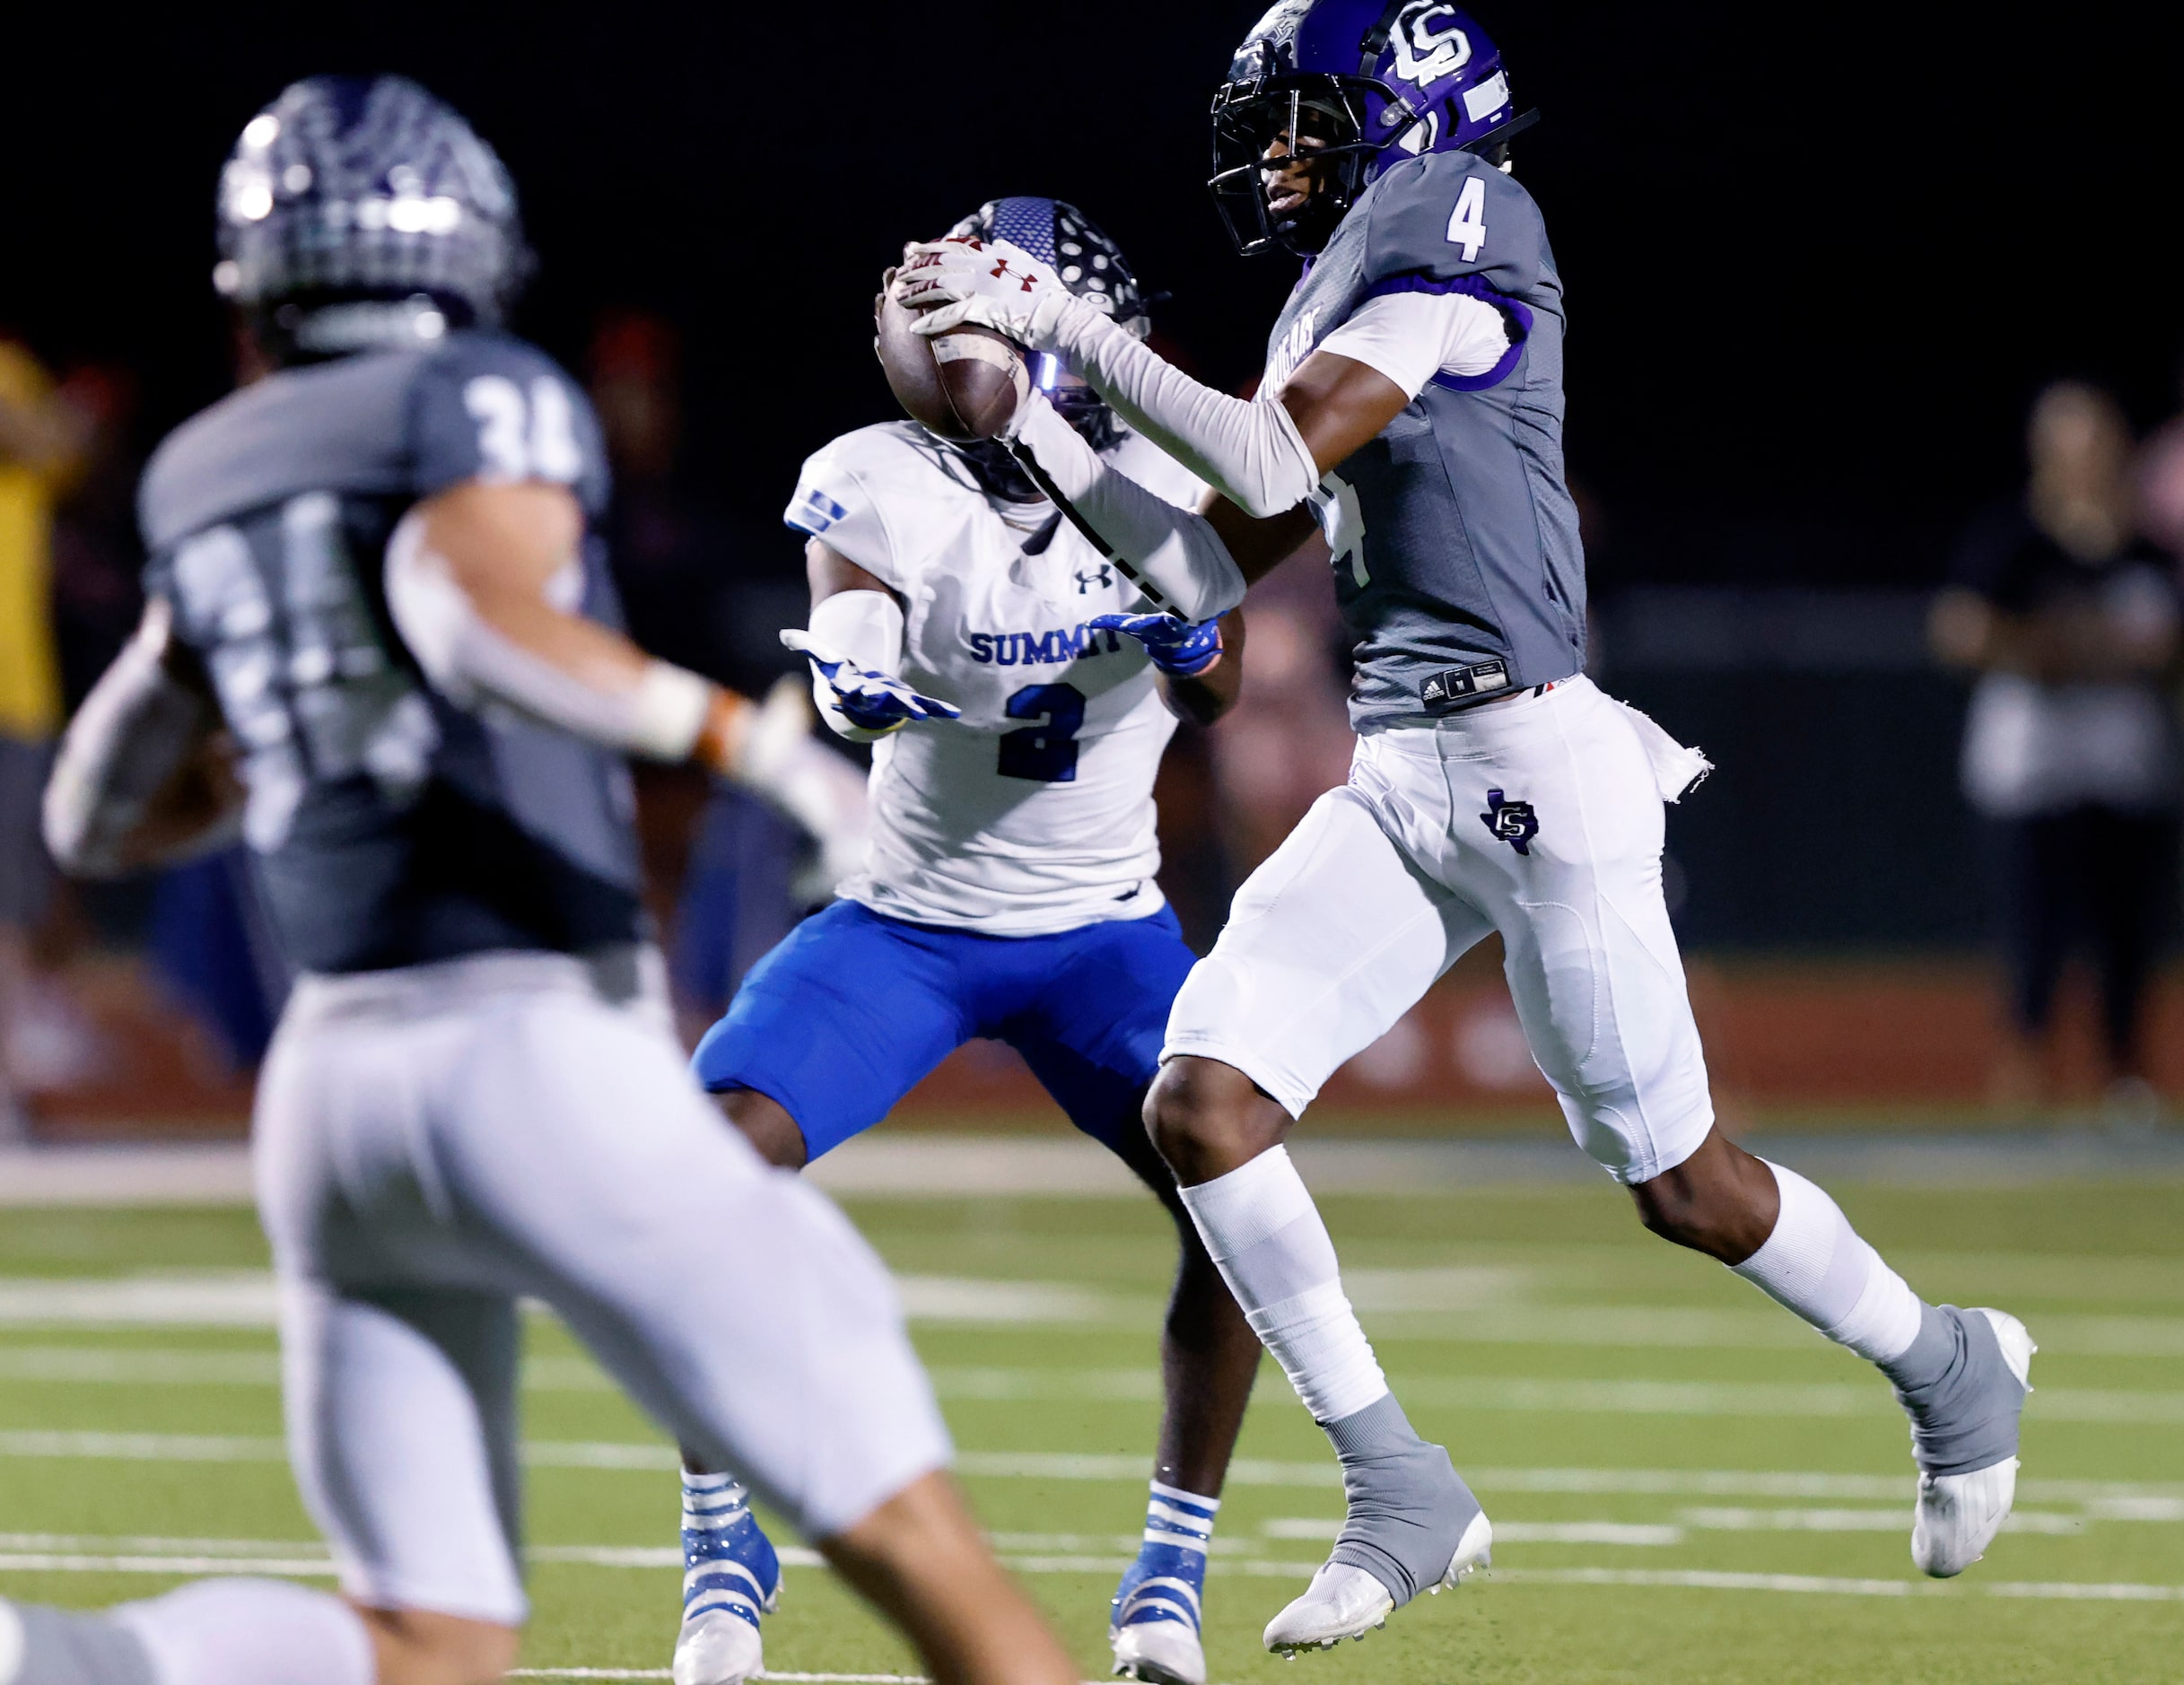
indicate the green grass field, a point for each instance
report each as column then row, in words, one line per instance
column 1687, row 1486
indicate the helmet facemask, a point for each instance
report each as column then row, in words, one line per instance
column 1261, row 123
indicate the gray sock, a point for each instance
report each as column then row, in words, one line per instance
column 61, row 1648
column 1408, row 1506
column 1958, row 1390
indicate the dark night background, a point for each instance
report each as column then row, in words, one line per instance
column 1818, row 259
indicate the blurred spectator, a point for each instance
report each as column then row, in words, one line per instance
column 42, row 437
column 663, row 543
column 98, row 561
column 2071, row 622
column 2160, row 488
column 717, row 861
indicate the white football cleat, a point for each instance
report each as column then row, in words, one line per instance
column 1344, row 1602
column 718, row 1648
column 1161, row 1653
column 1958, row 1516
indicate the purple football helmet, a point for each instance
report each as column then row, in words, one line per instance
column 1375, row 81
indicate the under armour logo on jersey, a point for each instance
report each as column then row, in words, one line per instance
column 1511, row 821
column 1101, row 576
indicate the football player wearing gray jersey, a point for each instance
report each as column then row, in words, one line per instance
column 380, row 644
column 1412, row 408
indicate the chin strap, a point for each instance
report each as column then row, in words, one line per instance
column 1070, row 512
column 1172, row 555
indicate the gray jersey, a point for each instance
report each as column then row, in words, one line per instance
column 391, row 828
column 1456, row 557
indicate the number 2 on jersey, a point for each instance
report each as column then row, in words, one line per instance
column 1046, row 752
column 1467, row 224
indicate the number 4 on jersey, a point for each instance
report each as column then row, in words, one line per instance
column 1467, row 225
column 1335, row 501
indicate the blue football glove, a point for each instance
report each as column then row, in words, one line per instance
column 870, row 700
column 1175, row 647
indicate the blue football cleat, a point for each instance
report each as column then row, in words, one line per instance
column 1153, row 1622
column 731, row 1577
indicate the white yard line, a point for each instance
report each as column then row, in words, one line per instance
column 1470, row 1304
column 248, row 1298
column 279, row 1567
column 1707, row 1579
column 303, row 1559
column 201, row 1298
column 892, row 1165
column 661, row 1673
column 173, row 1367
column 1850, row 1521
column 2120, row 1500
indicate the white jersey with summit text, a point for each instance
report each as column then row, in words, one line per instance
column 1033, row 812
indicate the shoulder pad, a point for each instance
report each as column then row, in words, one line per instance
column 489, row 407
column 862, row 493
column 328, row 427
column 1450, row 215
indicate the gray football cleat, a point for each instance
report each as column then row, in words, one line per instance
column 1967, row 1419
column 1344, row 1602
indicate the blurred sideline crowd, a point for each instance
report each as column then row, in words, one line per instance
column 2063, row 607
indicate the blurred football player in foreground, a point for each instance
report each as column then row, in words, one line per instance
column 1412, row 406
column 372, row 577
column 1010, row 891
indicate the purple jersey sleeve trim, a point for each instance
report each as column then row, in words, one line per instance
column 1519, row 316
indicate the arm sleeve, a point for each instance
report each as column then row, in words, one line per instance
column 867, row 626
column 1411, row 337
column 1247, row 449
column 1175, row 550
column 834, row 501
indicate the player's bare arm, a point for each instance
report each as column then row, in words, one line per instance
column 2058, row 645
column 854, row 642
column 470, row 579
column 1200, row 698
column 146, row 774
column 473, row 575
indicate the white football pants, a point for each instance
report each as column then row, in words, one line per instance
column 435, row 1142
column 1387, row 881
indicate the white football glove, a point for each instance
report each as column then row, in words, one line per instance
column 991, row 283
column 873, row 702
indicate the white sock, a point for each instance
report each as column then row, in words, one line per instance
column 1184, row 1520
column 1815, row 1264
column 1266, row 1234
column 251, row 1632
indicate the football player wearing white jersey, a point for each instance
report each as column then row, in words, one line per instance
column 1010, row 893
column 1414, row 405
